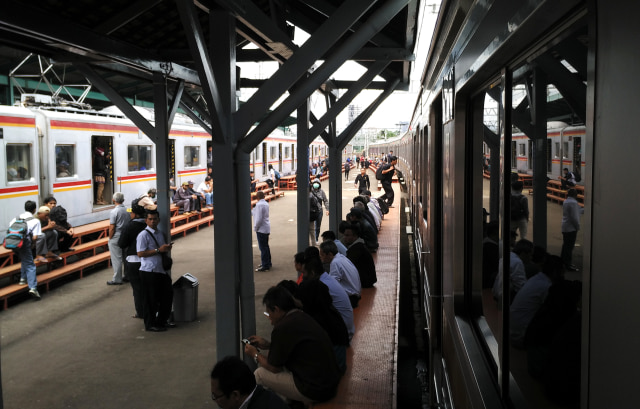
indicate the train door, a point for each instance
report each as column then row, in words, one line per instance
column 577, row 156
column 279, row 157
column 102, row 169
column 294, row 165
column 264, row 158
column 172, row 158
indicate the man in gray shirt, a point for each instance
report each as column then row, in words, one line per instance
column 118, row 219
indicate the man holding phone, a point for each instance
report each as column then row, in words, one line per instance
column 157, row 292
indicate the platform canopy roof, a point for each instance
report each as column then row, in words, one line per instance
column 126, row 41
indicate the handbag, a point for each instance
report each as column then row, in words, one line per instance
column 167, row 262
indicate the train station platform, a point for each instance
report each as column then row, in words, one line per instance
column 79, row 347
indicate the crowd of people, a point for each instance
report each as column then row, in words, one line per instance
column 313, row 316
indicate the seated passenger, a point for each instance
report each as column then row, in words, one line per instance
column 339, row 297
column 206, row 190
column 359, row 255
column 520, row 255
column 196, row 198
column 359, row 203
column 58, row 215
column 331, row 236
column 343, row 270
column 531, row 297
column 233, row 386
column 62, row 170
column 47, row 242
column 183, row 198
column 148, row 200
column 367, row 232
column 373, row 205
column 377, row 220
column 301, row 364
column 316, row 301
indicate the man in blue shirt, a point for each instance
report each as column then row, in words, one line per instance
column 156, row 282
column 118, row 219
column 263, row 229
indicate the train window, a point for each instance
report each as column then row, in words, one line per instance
column 139, row 157
column 191, row 156
column 272, row 152
column 65, row 161
column 557, row 150
column 565, row 150
column 521, row 150
column 287, row 152
column 18, row 162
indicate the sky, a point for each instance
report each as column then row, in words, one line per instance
column 398, row 107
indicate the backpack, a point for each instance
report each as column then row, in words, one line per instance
column 314, row 208
column 379, row 175
column 384, row 207
column 577, row 177
column 518, row 210
column 277, row 174
column 18, row 235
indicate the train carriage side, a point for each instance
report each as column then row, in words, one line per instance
column 19, row 167
column 188, row 153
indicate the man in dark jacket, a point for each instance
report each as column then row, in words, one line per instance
column 127, row 242
column 233, row 386
column 359, row 255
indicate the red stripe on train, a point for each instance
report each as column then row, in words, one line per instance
column 17, row 120
column 18, row 189
column 69, row 184
column 84, row 125
column 148, row 175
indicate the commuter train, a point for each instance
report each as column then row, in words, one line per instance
column 529, row 87
column 49, row 151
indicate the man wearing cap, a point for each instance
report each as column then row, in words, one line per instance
column 182, row 198
column 118, row 219
column 195, row 197
column 147, row 201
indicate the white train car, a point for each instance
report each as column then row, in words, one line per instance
column 50, row 152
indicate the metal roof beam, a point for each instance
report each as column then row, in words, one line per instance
column 353, row 128
column 118, row 100
column 200, row 53
column 291, row 71
column 570, row 86
column 126, row 15
column 175, row 102
column 29, row 22
column 342, row 103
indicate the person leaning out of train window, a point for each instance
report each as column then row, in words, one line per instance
column 568, row 179
column 148, row 200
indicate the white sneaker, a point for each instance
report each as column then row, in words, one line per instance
column 34, row 293
column 22, row 282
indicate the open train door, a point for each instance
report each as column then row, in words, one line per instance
column 102, row 169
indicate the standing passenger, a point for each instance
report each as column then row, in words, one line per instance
column 387, row 177
column 519, row 209
column 263, row 229
column 156, row 282
column 118, row 219
column 571, row 212
column 28, row 267
column 127, row 243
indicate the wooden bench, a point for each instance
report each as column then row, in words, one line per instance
column 79, row 232
column 288, row 182
column 184, row 228
column 268, row 195
column 6, row 257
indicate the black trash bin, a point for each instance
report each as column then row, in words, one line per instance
column 185, row 298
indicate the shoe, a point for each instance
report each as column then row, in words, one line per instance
column 262, row 268
column 156, row 329
column 40, row 259
column 186, row 213
column 571, row 267
column 22, row 282
column 54, row 256
column 125, row 280
column 170, row 325
column 113, row 283
column 34, row 293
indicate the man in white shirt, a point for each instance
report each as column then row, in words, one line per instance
column 206, row 189
column 28, row 267
column 343, row 270
column 262, row 226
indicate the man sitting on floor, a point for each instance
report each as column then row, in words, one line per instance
column 343, row 270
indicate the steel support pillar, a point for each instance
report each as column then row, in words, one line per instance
column 539, row 137
column 335, row 187
column 302, row 175
column 161, row 137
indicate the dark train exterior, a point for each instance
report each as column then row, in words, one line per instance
column 567, row 73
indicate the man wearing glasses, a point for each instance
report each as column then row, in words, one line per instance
column 233, row 386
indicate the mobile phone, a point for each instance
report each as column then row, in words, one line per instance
column 246, row 341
